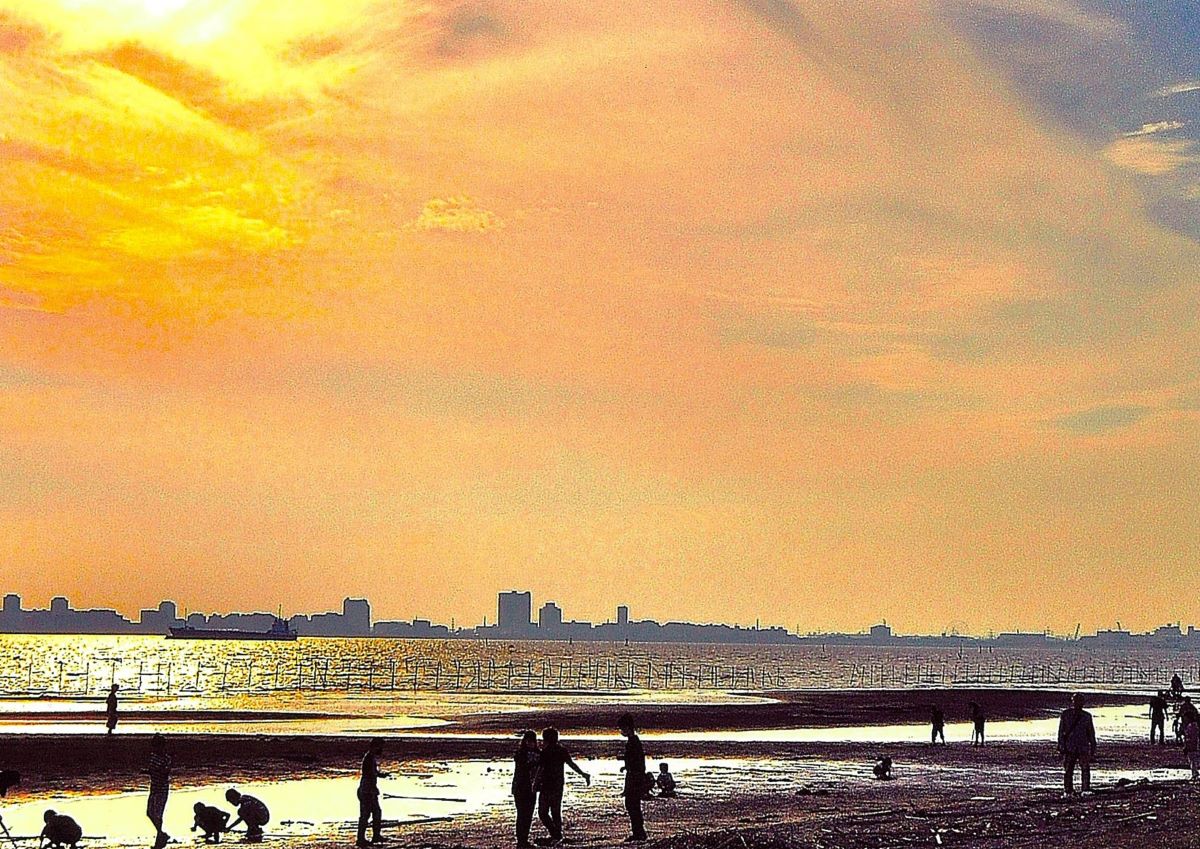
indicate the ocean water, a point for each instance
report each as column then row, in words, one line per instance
column 265, row 676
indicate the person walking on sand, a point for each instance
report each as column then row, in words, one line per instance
column 525, row 767
column 159, row 770
column 1077, row 745
column 551, row 779
column 368, row 795
column 635, row 772
column 110, row 709
column 938, row 721
column 1158, row 718
column 1191, row 747
column 977, row 722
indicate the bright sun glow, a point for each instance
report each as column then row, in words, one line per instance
column 161, row 8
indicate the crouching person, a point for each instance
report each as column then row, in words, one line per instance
column 60, row 831
column 250, row 811
column 211, row 821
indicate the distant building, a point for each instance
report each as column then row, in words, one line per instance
column 882, row 631
column 158, row 620
column 418, row 629
column 1019, row 639
column 623, row 615
column 357, row 615
column 550, row 617
column 514, row 613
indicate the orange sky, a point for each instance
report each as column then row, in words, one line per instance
column 805, row 311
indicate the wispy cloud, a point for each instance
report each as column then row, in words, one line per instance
column 1104, row 418
column 1179, row 88
column 1062, row 12
column 1155, row 127
column 1150, row 156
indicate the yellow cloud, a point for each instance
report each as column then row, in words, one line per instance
column 1153, row 157
column 458, row 214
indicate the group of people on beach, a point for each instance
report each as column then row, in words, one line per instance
column 539, row 778
column 1076, row 738
column 539, row 775
column 938, row 723
column 62, row 831
column 1186, row 722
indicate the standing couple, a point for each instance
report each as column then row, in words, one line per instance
column 539, row 777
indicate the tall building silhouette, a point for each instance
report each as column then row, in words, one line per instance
column 356, row 615
column 550, row 617
column 514, row 612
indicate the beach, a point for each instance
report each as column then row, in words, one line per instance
column 777, row 769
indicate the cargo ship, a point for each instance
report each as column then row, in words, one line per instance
column 279, row 630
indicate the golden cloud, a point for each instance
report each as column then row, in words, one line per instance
column 458, row 214
column 1149, row 156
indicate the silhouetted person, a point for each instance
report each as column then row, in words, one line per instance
column 648, row 786
column 937, row 720
column 525, row 766
column 635, row 770
column 9, row 778
column 250, row 811
column 1191, row 747
column 368, row 794
column 977, row 722
column 1077, row 745
column 1158, row 717
column 665, row 782
column 60, row 830
column 550, row 780
column 1176, row 685
column 1187, row 712
column 110, row 709
column 883, row 769
column 211, row 821
column 159, row 770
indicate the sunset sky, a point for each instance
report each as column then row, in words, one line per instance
column 821, row 312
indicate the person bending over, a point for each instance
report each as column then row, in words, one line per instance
column 211, row 821
column 250, row 811
column 60, row 831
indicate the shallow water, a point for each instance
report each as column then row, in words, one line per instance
column 413, row 792
column 420, row 791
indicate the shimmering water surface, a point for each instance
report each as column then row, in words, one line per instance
column 219, row 674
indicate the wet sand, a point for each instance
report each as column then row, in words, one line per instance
column 1165, row 815
column 812, row 709
column 998, row 795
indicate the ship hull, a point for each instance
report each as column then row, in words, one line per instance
column 216, row 634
